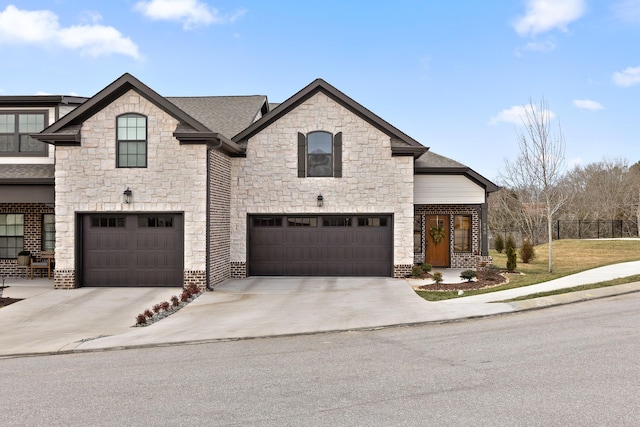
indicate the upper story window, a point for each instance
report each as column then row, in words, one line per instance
column 319, row 154
column 15, row 131
column 132, row 141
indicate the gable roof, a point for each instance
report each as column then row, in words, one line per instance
column 67, row 130
column 435, row 164
column 401, row 143
column 228, row 115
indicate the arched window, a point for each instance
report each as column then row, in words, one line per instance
column 320, row 154
column 131, row 149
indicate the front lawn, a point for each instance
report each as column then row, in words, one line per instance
column 569, row 257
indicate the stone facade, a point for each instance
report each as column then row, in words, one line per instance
column 470, row 259
column 33, row 215
column 87, row 180
column 373, row 181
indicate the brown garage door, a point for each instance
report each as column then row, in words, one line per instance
column 333, row 245
column 132, row 250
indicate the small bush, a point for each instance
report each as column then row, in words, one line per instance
column 193, row 289
column 527, row 252
column 417, row 271
column 437, row 277
column 468, row 275
column 491, row 272
column 175, row 301
column 141, row 319
column 157, row 308
column 509, row 243
column 148, row 313
column 511, row 259
column 165, row 305
column 498, row 243
column 185, row 295
column 426, row 267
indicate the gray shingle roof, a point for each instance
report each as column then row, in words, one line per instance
column 26, row 173
column 433, row 160
column 227, row 115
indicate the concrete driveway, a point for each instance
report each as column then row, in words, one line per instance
column 90, row 318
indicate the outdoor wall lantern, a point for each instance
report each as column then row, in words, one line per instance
column 320, row 200
column 126, row 196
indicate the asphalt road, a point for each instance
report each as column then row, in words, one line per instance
column 569, row 365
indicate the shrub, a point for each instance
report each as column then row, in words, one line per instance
column 175, row 301
column 157, row 308
column 426, row 267
column 193, row 289
column 498, row 243
column 491, row 272
column 511, row 259
column 416, row 271
column 141, row 319
column 527, row 252
column 437, row 277
column 165, row 305
column 148, row 313
column 509, row 243
column 468, row 275
column 185, row 295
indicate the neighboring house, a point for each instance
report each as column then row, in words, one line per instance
column 27, row 176
column 155, row 191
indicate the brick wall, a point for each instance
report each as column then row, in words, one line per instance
column 32, row 233
column 457, row 259
column 219, row 217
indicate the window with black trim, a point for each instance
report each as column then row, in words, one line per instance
column 266, row 222
column 108, row 222
column 462, row 233
column 132, row 141
column 372, row 222
column 320, row 154
column 336, row 221
column 48, row 232
column 15, row 134
column 11, row 235
column 164, row 221
column 302, row 221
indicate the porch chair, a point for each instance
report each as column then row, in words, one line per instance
column 46, row 259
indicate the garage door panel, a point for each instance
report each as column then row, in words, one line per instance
column 132, row 250
column 333, row 246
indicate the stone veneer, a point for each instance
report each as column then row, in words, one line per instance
column 373, row 181
column 87, row 180
column 457, row 259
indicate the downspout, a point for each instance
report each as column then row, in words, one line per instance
column 208, row 214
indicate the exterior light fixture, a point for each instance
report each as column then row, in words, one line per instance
column 126, row 196
column 320, row 200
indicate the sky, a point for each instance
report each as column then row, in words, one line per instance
column 455, row 75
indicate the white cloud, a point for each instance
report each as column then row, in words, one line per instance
column 627, row 10
column 191, row 13
column 546, row 15
column 41, row 27
column 628, row 77
column 587, row 104
column 516, row 115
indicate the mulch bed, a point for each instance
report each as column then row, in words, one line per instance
column 481, row 282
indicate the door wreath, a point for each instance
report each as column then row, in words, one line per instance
column 437, row 234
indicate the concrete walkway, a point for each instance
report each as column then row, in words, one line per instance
column 88, row 319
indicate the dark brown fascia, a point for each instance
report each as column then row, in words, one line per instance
column 41, row 100
column 319, row 85
column 474, row 176
column 62, row 138
column 226, row 145
column 28, row 181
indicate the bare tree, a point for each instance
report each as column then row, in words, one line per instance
column 537, row 173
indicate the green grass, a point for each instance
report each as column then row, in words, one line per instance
column 569, row 257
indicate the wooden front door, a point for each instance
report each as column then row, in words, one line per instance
column 437, row 232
